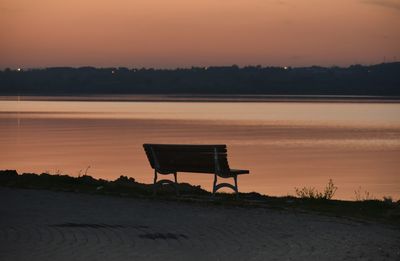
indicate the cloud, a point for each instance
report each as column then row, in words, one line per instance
column 392, row 4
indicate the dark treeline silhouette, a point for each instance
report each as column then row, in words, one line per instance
column 381, row 80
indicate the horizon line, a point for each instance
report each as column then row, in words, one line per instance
column 192, row 67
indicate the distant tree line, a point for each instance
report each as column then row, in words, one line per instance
column 381, row 79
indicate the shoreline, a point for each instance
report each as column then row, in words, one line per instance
column 205, row 98
column 385, row 212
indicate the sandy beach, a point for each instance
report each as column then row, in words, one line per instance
column 46, row 225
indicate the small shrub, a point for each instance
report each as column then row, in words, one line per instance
column 363, row 195
column 388, row 199
column 330, row 190
column 86, row 172
column 312, row 193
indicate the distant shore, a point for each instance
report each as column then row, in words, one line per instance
column 279, row 83
column 206, row 98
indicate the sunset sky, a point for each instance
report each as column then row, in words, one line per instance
column 184, row 33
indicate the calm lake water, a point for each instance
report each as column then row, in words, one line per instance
column 284, row 144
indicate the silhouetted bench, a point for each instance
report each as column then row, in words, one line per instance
column 172, row 158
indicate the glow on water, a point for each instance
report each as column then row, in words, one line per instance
column 285, row 145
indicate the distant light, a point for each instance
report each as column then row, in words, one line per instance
column 285, row 68
column 19, row 69
column 112, row 72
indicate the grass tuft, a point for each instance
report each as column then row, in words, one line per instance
column 363, row 195
column 313, row 193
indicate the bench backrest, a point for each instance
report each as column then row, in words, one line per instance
column 187, row 158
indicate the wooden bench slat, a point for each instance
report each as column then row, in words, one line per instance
column 220, row 148
column 200, row 166
column 185, row 151
column 172, row 153
column 185, row 145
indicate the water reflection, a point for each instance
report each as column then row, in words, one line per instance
column 283, row 144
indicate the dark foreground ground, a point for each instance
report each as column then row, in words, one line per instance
column 48, row 225
column 40, row 223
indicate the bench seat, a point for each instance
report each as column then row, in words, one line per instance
column 239, row 171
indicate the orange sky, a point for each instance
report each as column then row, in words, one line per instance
column 182, row 33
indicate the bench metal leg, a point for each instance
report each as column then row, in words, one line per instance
column 226, row 185
column 155, row 183
column 236, row 186
column 176, row 184
column 165, row 181
column 214, row 184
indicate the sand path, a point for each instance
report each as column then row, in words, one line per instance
column 45, row 225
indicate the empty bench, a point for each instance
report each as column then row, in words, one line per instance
column 173, row 158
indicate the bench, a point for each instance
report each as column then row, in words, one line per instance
column 172, row 158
